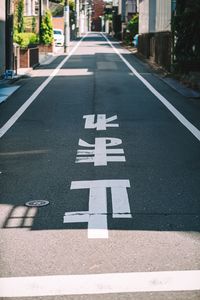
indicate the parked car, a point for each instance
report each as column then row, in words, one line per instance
column 135, row 40
column 58, row 37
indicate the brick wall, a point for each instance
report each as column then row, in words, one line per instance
column 29, row 57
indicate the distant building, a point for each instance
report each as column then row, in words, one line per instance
column 31, row 7
column 97, row 14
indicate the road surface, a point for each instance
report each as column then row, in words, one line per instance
column 114, row 152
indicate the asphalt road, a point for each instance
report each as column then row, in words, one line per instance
column 121, row 172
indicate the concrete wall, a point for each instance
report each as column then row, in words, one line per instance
column 2, row 35
column 143, row 16
column 155, row 16
column 163, row 15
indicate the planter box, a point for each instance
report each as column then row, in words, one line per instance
column 29, row 57
column 46, row 48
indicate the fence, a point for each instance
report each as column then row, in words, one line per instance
column 157, row 47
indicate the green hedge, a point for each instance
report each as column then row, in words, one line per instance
column 24, row 39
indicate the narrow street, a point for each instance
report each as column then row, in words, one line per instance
column 116, row 153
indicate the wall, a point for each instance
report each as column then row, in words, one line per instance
column 163, row 15
column 155, row 16
column 155, row 40
column 2, row 36
column 58, row 22
column 143, row 16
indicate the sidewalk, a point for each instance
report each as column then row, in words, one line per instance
column 182, row 86
column 8, row 87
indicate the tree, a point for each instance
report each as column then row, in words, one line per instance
column 186, row 28
column 20, row 16
column 46, row 31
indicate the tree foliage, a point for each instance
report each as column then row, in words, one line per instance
column 186, row 31
column 133, row 25
column 46, row 31
column 24, row 39
column 57, row 8
column 131, row 30
column 20, row 16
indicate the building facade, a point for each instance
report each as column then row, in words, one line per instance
column 31, row 7
column 97, row 14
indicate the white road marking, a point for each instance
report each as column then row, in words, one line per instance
column 96, row 216
column 166, row 103
column 57, row 285
column 100, row 153
column 102, row 122
column 28, row 102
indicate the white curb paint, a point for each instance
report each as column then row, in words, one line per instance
column 100, row 283
column 166, row 103
column 28, row 102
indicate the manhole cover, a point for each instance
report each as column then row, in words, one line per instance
column 37, row 203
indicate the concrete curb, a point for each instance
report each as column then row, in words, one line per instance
column 164, row 76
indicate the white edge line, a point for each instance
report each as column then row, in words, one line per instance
column 28, row 102
column 166, row 103
column 167, row 281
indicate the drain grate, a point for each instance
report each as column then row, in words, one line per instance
column 37, row 203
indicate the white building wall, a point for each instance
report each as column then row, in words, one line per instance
column 154, row 15
column 143, row 16
column 163, row 15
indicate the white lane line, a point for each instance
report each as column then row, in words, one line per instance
column 100, row 283
column 166, row 103
column 28, row 102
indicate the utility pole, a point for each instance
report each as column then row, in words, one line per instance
column 40, row 18
column 66, row 26
column 77, row 3
column 9, row 36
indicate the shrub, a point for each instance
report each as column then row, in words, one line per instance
column 34, row 24
column 24, row 39
column 46, row 30
column 133, row 26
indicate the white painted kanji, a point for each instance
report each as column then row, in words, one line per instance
column 101, row 122
column 99, row 154
column 96, row 216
